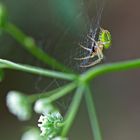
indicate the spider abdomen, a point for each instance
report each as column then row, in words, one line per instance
column 105, row 38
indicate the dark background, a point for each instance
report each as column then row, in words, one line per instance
column 57, row 26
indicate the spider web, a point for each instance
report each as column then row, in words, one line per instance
column 90, row 27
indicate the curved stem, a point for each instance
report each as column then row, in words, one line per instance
column 72, row 110
column 36, row 70
column 92, row 115
column 65, row 90
column 107, row 68
column 29, row 44
column 37, row 96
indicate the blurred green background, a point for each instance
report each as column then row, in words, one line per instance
column 57, row 26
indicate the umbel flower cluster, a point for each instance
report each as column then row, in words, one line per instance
column 34, row 134
column 50, row 124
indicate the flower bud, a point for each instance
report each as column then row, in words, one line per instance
column 59, row 138
column 42, row 106
column 32, row 134
column 19, row 105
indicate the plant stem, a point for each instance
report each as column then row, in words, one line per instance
column 65, row 90
column 107, row 68
column 92, row 115
column 29, row 44
column 36, row 70
column 37, row 96
column 72, row 110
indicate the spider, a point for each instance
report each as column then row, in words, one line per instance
column 96, row 49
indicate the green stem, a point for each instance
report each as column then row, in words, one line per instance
column 92, row 115
column 72, row 110
column 60, row 124
column 29, row 44
column 37, row 96
column 54, row 94
column 107, row 68
column 65, row 90
column 35, row 70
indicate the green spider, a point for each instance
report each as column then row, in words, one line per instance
column 104, row 41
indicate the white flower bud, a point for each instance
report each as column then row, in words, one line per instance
column 32, row 134
column 59, row 138
column 19, row 105
column 41, row 106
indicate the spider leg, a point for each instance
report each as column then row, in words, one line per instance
column 91, row 38
column 105, row 42
column 94, row 41
column 83, row 58
column 100, row 53
column 85, row 48
column 100, row 57
column 87, row 57
column 101, row 29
